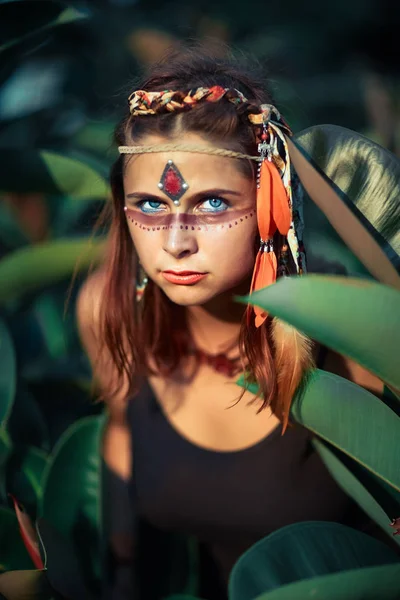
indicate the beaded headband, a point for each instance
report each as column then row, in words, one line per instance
column 274, row 191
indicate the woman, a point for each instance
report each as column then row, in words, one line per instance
column 205, row 207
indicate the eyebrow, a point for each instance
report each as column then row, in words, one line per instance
column 213, row 192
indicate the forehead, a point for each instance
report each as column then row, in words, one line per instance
column 201, row 171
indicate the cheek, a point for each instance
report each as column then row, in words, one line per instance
column 231, row 253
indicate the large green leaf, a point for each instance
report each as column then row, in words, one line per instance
column 355, row 317
column 13, row 554
column 371, row 583
column 8, row 372
column 303, row 551
column 71, row 500
column 33, row 268
column 38, row 16
column 366, row 178
column 354, row 488
column 25, row 474
column 51, row 173
column 351, row 419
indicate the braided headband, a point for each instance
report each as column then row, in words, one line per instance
column 274, row 191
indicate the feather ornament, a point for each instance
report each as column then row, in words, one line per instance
column 293, row 358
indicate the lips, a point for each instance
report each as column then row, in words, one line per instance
column 183, row 277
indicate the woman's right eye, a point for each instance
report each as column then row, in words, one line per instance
column 150, row 206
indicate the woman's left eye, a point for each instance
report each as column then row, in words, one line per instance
column 214, row 205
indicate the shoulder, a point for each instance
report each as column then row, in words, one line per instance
column 89, row 301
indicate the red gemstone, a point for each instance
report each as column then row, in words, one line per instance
column 172, row 183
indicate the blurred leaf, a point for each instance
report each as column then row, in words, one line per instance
column 5, row 451
column 38, row 16
column 354, row 488
column 303, row 551
column 13, row 554
column 11, row 234
column 97, row 137
column 25, row 585
column 51, row 173
column 33, row 268
column 71, row 492
column 8, row 372
column 28, row 534
column 355, row 317
column 33, row 465
column 356, row 584
column 26, row 424
column 64, row 570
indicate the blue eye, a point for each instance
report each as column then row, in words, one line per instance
column 152, row 206
column 215, row 205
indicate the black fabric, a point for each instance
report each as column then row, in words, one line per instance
column 227, row 500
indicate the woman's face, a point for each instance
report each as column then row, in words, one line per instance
column 203, row 244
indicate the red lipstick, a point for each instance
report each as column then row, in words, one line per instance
column 183, row 277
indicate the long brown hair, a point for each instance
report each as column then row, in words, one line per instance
column 157, row 330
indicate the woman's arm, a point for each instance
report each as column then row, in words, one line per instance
column 119, row 520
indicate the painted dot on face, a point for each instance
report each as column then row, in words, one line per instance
column 184, row 221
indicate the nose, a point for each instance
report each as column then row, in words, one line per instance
column 180, row 242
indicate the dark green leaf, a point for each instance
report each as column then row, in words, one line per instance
column 51, row 173
column 38, row 17
column 355, row 317
column 62, row 563
column 8, row 372
column 13, row 554
column 354, row 488
column 356, row 584
column 303, row 551
column 71, row 501
column 33, row 268
column 352, row 420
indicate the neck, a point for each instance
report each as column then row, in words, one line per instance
column 215, row 326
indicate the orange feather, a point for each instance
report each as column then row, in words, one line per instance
column 265, row 276
column 280, row 208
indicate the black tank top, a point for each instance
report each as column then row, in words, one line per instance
column 228, row 500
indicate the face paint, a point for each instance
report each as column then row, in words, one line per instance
column 223, row 221
column 172, row 183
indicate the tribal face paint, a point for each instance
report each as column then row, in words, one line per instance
column 212, row 233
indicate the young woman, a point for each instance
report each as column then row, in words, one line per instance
column 205, row 207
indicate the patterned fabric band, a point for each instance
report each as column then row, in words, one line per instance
column 151, row 103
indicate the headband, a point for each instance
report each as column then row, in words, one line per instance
column 274, row 191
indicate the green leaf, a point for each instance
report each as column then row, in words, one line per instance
column 39, row 17
column 354, row 488
column 71, row 500
column 64, row 570
column 78, row 177
column 302, row 551
column 353, row 420
column 355, row 317
column 31, row 269
column 356, row 584
column 13, row 554
column 8, row 371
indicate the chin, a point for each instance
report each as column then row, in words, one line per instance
column 188, row 296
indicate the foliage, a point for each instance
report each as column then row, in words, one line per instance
column 57, row 111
